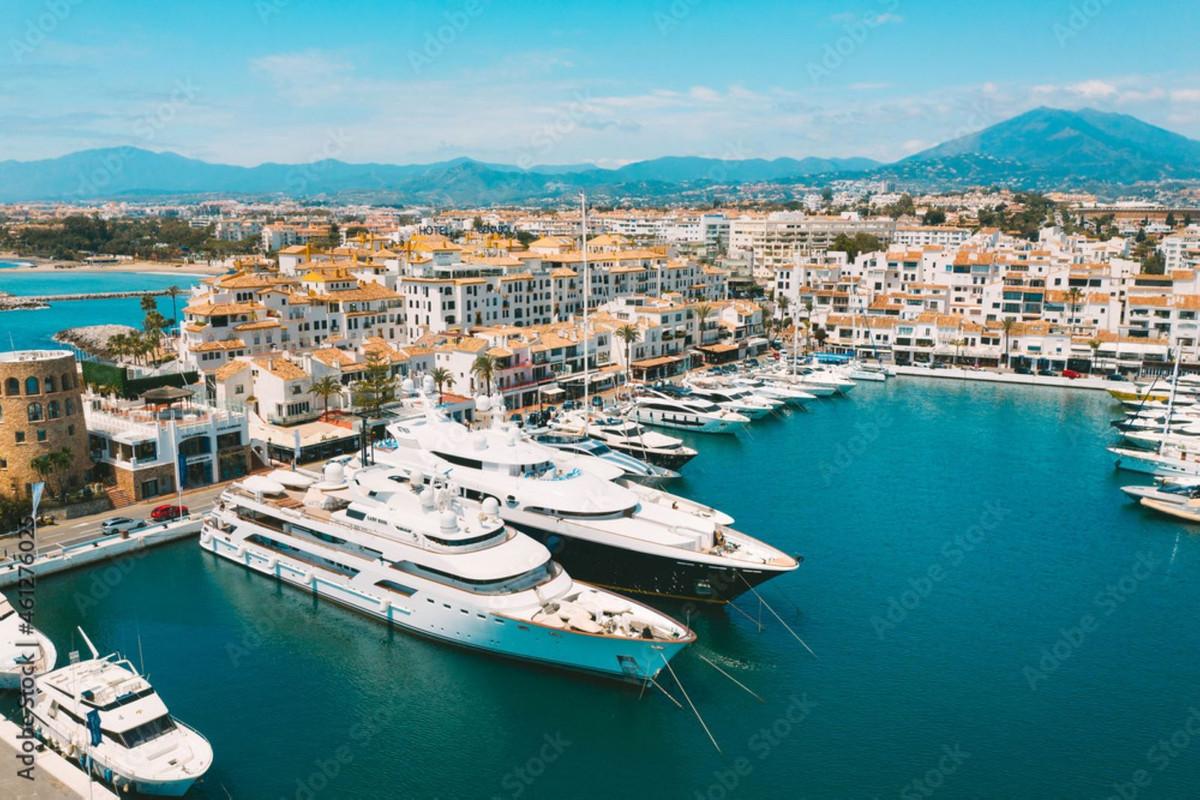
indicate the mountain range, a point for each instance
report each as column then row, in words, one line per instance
column 1042, row 148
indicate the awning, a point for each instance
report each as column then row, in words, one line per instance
column 649, row 363
column 718, row 348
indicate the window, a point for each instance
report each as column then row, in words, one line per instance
column 41, row 434
column 12, row 386
column 66, row 383
column 20, row 437
column 50, row 384
column 70, row 406
column 53, row 411
column 31, row 385
column 34, row 412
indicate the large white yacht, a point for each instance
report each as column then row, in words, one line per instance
column 418, row 555
column 676, row 409
column 627, row 436
column 622, row 535
column 24, row 650
column 104, row 715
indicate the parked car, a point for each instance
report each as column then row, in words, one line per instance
column 1072, row 374
column 1116, row 376
column 1049, row 373
column 121, row 524
column 1023, row 370
column 168, row 512
column 937, row 365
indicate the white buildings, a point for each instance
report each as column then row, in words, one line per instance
column 777, row 239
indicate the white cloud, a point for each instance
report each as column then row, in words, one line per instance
column 1185, row 95
column 1093, row 88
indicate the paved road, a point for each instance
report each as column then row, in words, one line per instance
column 67, row 531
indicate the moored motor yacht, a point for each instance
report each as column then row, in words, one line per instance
column 627, row 436
column 413, row 552
column 678, row 410
column 24, row 650
column 1170, row 461
column 576, row 441
column 104, row 715
column 602, row 530
column 776, row 390
column 733, row 398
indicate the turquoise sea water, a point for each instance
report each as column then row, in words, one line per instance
column 26, row 329
column 992, row 619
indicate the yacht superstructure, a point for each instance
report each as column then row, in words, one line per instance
column 416, row 554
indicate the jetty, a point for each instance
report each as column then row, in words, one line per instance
column 54, row 778
column 9, row 302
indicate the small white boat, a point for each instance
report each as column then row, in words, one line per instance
column 24, row 651
column 102, row 714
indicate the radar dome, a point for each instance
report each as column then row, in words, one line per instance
column 334, row 473
column 491, row 506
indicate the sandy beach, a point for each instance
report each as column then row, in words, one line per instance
column 165, row 267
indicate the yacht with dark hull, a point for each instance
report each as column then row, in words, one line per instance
column 604, row 531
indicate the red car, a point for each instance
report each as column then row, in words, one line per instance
column 168, row 512
column 1070, row 373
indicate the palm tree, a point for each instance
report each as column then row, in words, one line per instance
column 60, row 463
column 628, row 334
column 43, row 466
column 1074, row 300
column 1008, row 324
column 325, row 388
column 703, row 311
column 484, row 369
column 820, row 334
column 1095, row 345
column 173, row 292
column 441, row 377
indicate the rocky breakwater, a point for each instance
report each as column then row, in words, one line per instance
column 93, row 339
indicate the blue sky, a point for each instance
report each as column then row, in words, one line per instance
column 246, row 81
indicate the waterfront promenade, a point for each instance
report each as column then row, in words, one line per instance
column 995, row 376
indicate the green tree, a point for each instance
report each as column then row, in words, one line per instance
column 441, row 377
column 1074, row 300
column 628, row 334
column 1095, row 345
column 852, row 246
column 1007, row 325
column 325, row 388
column 934, row 216
column 376, row 387
column 484, row 369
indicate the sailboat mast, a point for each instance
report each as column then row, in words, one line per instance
column 587, row 293
column 1171, row 400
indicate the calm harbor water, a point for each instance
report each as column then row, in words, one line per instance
column 992, row 619
column 32, row 329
